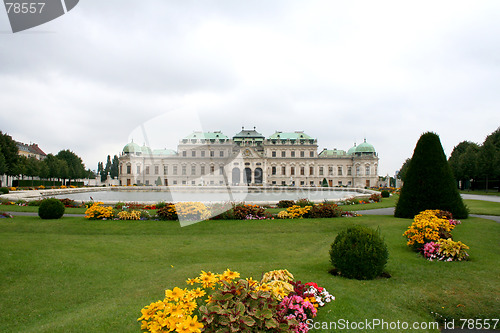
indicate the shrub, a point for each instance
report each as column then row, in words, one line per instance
column 242, row 211
column 167, row 213
column 298, row 212
column 285, row 203
column 160, row 204
column 325, row 209
column 385, row 194
column 429, row 182
column 375, row 197
column 304, row 202
column 359, row 252
column 99, row 212
column 69, row 203
column 51, row 209
column 192, row 211
column 4, row 190
column 133, row 215
column 429, row 225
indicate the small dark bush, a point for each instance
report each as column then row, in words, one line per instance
column 4, row 190
column 385, row 194
column 35, row 203
column 68, row 202
column 304, row 202
column 241, row 211
column 359, row 253
column 375, row 197
column 51, row 209
column 285, row 203
column 326, row 209
column 167, row 213
column 160, row 205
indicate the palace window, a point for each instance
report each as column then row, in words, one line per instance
column 358, row 171
column 175, row 170
column 129, row 169
column 193, row 169
column 184, row 154
column 202, row 153
column 273, row 154
column 330, row 171
column 367, row 170
column 212, row 153
column 349, row 171
column 157, row 169
column 147, row 170
column 184, row 170
column 321, row 171
column 273, row 170
column 302, row 171
column 311, row 171
column 339, row 172
column 283, row 171
column 311, row 154
column 293, row 153
column 302, row 153
column 221, row 154
column 193, row 153
column 202, row 169
column 138, row 169
column 165, row 169
column 221, row 169
column 212, row 169
column 292, row 171
column 283, row 154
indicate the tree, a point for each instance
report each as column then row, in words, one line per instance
column 74, row 164
column 114, row 167
column 463, row 162
column 404, row 169
column 488, row 161
column 9, row 150
column 3, row 164
column 106, row 170
column 429, row 182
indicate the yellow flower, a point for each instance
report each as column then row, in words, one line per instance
column 174, row 294
column 228, row 275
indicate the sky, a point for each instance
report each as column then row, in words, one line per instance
column 155, row 71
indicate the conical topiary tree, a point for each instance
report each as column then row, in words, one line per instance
column 429, row 182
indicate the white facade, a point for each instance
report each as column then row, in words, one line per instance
column 283, row 159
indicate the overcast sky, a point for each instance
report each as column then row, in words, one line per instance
column 156, row 70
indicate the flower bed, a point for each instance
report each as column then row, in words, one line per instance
column 227, row 303
column 430, row 234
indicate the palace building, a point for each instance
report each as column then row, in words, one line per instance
column 249, row 158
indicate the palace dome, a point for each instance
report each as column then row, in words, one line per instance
column 364, row 148
column 131, row 148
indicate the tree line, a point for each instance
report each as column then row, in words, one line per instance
column 64, row 165
column 475, row 166
column 111, row 168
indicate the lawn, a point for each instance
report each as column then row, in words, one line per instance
column 73, row 275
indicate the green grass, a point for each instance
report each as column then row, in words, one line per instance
column 73, row 275
column 483, row 207
column 490, row 192
column 34, row 209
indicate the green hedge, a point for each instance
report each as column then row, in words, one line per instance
column 46, row 183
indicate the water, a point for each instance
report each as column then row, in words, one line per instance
column 208, row 195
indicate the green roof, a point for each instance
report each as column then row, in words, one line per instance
column 297, row 135
column 365, row 147
column 164, row 152
column 132, row 148
column 332, row 153
column 248, row 134
column 217, row 135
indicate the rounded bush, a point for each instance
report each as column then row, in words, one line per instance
column 4, row 190
column 51, row 209
column 359, row 253
column 385, row 194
